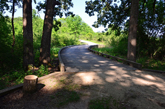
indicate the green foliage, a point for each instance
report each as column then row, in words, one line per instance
column 43, row 70
column 75, row 27
column 61, row 5
column 54, row 52
column 11, row 62
column 151, row 63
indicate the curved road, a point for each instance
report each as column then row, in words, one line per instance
column 79, row 58
column 143, row 89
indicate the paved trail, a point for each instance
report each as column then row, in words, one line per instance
column 79, row 58
column 145, row 90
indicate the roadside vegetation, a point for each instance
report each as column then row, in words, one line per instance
column 150, row 56
column 11, row 61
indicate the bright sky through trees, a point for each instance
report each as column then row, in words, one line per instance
column 78, row 9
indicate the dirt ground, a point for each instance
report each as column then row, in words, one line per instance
column 139, row 89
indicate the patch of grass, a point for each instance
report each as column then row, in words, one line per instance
column 68, row 84
column 151, row 63
column 64, row 96
column 17, row 77
column 109, row 51
column 105, row 103
column 97, row 42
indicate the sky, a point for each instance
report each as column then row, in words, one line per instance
column 78, row 9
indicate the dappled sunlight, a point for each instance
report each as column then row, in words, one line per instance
column 127, row 79
column 87, row 78
column 122, row 79
column 143, row 82
column 126, row 83
column 85, row 61
column 87, row 53
column 24, row 22
column 114, row 67
column 138, row 71
column 111, row 73
column 132, row 54
column 96, row 65
column 50, row 85
column 103, row 62
column 133, row 42
column 150, row 77
column 110, row 79
column 126, row 76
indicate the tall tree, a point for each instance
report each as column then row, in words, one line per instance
column 51, row 11
column 13, row 26
column 75, row 25
column 28, row 57
column 133, row 24
column 47, row 29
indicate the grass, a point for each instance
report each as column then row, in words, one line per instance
column 106, row 103
column 97, row 42
column 66, row 92
column 17, row 77
column 63, row 97
column 146, row 62
column 109, row 51
column 151, row 63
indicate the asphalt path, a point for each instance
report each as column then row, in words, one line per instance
column 144, row 90
column 79, row 58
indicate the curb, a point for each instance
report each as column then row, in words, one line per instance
column 157, row 71
column 127, row 62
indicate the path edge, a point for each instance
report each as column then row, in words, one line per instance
column 127, row 62
column 61, row 63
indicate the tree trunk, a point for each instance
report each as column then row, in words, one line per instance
column 46, row 36
column 133, row 23
column 28, row 57
column 30, row 83
column 13, row 26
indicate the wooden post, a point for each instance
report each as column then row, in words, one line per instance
column 30, row 83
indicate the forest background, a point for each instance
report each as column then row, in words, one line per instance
column 67, row 31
